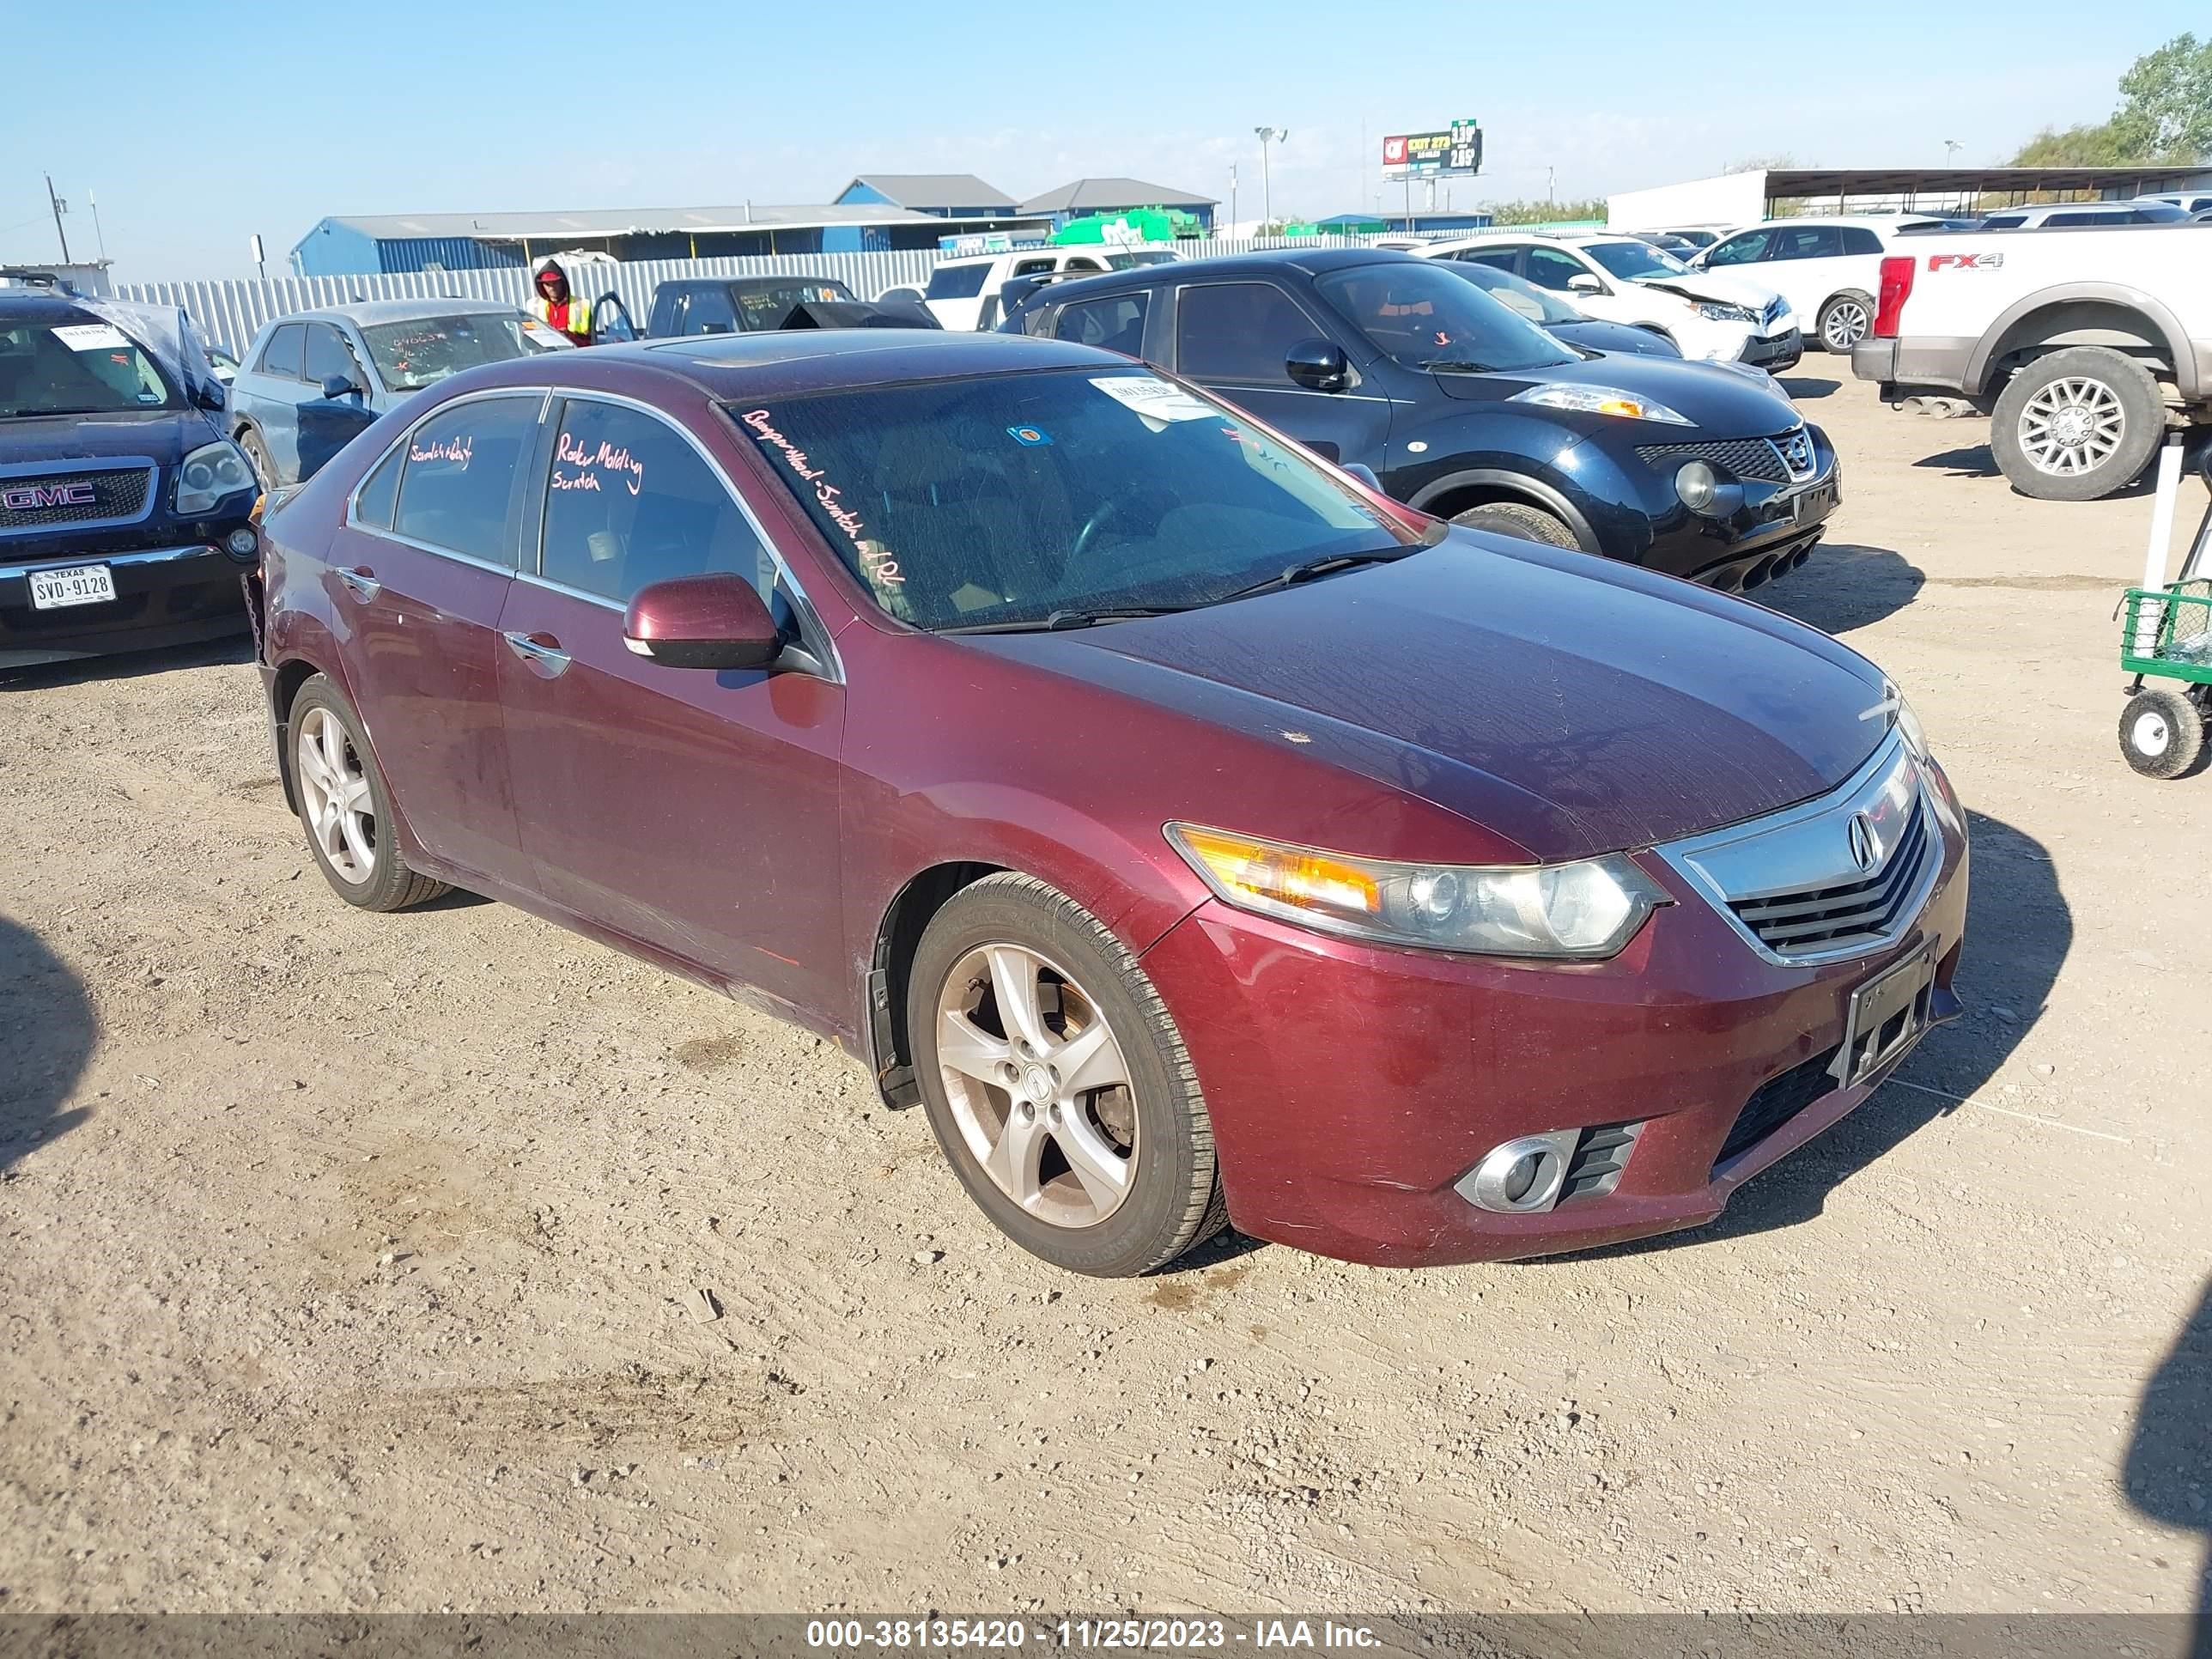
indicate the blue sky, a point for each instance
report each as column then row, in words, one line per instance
column 193, row 126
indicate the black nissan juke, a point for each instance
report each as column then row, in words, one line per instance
column 1464, row 409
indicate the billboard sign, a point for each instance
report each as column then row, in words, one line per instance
column 1454, row 153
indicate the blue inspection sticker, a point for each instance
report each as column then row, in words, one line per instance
column 1027, row 434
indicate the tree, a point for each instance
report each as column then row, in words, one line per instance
column 2165, row 107
column 2164, row 117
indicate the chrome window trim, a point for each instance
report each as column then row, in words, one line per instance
column 810, row 618
column 143, row 555
column 68, row 468
column 1681, row 856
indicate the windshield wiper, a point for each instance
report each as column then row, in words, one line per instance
column 1060, row 619
column 1458, row 366
column 1313, row 568
column 41, row 414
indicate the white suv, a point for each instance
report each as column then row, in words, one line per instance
column 1620, row 279
column 963, row 292
column 1829, row 270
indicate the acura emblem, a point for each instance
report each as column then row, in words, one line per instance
column 1865, row 841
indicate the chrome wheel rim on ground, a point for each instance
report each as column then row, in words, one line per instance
column 1039, row 1087
column 340, row 814
column 2071, row 427
column 1847, row 325
column 2151, row 735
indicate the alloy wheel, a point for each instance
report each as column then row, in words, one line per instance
column 2072, row 427
column 340, row 811
column 1846, row 325
column 1038, row 1084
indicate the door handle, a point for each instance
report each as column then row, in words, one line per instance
column 361, row 584
column 548, row 660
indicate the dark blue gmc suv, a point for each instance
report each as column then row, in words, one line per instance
column 125, row 514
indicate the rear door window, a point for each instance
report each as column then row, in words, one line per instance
column 1238, row 331
column 1504, row 258
column 956, row 282
column 456, row 489
column 373, row 501
column 1116, row 323
column 281, row 356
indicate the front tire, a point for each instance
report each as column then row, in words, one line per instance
column 345, row 807
column 2077, row 425
column 257, row 457
column 1057, row 1083
column 1519, row 521
column 1845, row 320
column 2162, row 733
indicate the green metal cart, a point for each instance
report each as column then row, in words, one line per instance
column 2167, row 637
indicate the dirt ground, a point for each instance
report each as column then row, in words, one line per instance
column 347, row 1258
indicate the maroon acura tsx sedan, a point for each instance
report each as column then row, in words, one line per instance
column 1196, row 833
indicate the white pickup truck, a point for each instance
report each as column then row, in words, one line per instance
column 2082, row 345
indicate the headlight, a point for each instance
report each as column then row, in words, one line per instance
column 1597, row 400
column 1717, row 311
column 1909, row 728
column 209, row 473
column 1589, row 909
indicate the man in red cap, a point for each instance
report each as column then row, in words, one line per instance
column 557, row 306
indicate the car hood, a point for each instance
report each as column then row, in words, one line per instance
column 1707, row 285
column 1572, row 707
column 1611, row 337
column 1719, row 402
column 164, row 435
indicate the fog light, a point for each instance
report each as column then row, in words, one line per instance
column 242, row 543
column 1699, row 486
column 1521, row 1176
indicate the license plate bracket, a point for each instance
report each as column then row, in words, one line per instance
column 71, row 584
column 1887, row 1015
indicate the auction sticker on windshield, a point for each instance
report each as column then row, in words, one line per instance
column 91, row 336
column 1156, row 400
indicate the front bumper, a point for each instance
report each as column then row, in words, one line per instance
column 1771, row 534
column 1351, row 1086
column 164, row 596
column 1784, row 348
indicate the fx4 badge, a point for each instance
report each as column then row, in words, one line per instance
column 1965, row 261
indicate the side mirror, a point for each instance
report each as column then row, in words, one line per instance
column 211, row 396
column 703, row 622
column 335, row 386
column 1583, row 282
column 1365, row 474
column 1318, row 366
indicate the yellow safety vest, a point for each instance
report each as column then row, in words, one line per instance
column 580, row 312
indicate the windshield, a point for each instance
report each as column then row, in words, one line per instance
column 1516, row 294
column 412, row 354
column 1424, row 317
column 1004, row 500
column 1634, row 261
column 77, row 368
column 766, row 307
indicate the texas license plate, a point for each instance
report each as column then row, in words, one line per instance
column 1887, row 1015
column 71, row 584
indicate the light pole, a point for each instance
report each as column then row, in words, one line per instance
column 1266, row 135
column 1951, row 146
column 60, row 207
column 1232, row 196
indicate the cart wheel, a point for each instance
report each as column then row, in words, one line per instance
column 2161, row 733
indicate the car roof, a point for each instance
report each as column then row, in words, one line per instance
column 365, row 313
column 40, row 306
column 1222, row 267
column 783, row 363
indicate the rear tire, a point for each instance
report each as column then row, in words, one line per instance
column 2077, row 425
column 1845, row 320
column 1521, row 522
column 1112, row 1177
column 345, row 807
column 2162, row 733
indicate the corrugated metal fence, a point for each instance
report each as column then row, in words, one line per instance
column 231, row 312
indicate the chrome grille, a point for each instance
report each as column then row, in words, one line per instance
column 118, row 495
column 1795, row 449
column 1842, row 875
column 1855, row 913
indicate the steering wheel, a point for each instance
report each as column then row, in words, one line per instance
column 1103, row 515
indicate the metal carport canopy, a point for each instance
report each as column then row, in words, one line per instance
column 1821, row 182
